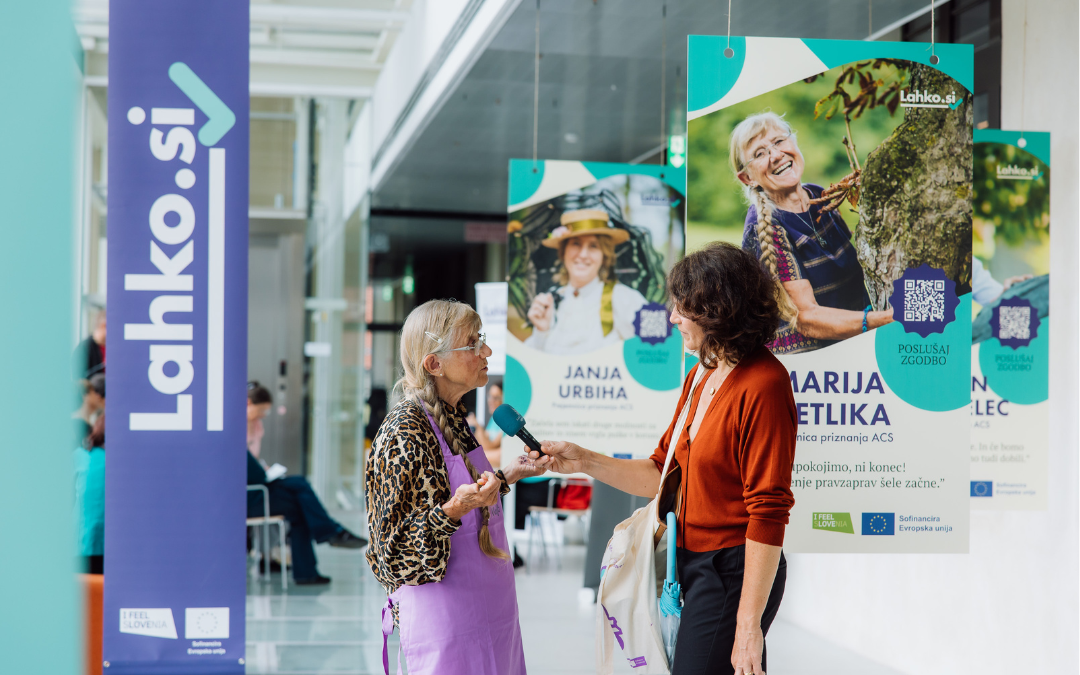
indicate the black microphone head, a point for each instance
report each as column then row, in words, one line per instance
column 508, row 419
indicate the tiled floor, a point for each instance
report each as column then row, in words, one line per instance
column 335, row 629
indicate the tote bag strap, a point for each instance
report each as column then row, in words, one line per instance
column 676, row 433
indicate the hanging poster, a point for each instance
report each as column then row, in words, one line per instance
column 845, row 167
column 1010, row 332
column 590, row 354
column 177, row 344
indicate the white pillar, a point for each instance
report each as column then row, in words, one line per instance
column 326, row 305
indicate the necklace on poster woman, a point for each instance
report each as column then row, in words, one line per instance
column 809, row 220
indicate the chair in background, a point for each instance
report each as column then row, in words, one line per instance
column 536, row 513
column 263, row 523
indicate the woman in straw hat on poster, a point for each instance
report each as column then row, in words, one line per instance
column 590, row 309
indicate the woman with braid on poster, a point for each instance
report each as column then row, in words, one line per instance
column 438, row 544
column 820, row 288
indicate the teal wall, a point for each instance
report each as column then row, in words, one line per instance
column 39, row 75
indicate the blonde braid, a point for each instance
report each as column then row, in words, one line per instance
column 766, row 233
column 434, row 322
column 438, row 412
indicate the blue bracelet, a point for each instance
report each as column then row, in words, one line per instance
column 866, row 311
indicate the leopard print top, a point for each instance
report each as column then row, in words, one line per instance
column 406, row 484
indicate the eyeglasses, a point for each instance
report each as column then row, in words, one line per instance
column 476, row 346
column 765, row 152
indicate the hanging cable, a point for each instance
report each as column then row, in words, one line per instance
column 1023, row 80
column 663, row 89
column 728, row 52
column 933, row 34
column 536, row 85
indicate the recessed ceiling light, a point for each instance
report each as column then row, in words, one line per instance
column 570, row 137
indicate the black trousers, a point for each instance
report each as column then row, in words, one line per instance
column 293, row 498
column 712, row 586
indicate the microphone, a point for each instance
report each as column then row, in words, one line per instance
column 513, row 424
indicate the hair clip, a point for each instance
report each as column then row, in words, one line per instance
column 434, row 337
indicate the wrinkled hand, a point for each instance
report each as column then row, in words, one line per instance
column 484, row 492
column 542, row 311
column 1008, row 283
column 523, row 467
column 560, row 456
column 746, row 655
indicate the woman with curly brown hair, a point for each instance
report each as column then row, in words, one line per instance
column 734, row 459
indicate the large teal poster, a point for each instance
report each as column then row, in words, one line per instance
column 590, row 355
column 846, row 168
column 1010, row 335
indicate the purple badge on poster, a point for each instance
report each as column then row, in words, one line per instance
column 1014, row 322
column 924, row 300
column 651, row 324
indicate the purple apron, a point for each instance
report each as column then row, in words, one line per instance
column 466, row 624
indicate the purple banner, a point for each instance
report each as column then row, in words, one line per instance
column 177, row 344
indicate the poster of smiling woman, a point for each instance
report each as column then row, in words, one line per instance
column 591, row 356
column 845, row 168
column 1010, row 334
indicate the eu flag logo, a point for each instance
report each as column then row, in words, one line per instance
column 879, row 523
column 982, row 488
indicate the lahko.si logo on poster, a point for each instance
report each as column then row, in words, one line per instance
column 925, row 99
column 172, row 140
column 1013, row 172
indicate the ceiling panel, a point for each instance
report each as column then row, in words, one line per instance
column 599, row 88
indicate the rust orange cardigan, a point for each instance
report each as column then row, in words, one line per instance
column 736, row 480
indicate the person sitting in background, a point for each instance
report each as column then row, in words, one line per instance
column 93, row 405
column 90, row 498
column 90, row 354
column 490, row 437
column 292, row 497
column 255, row 415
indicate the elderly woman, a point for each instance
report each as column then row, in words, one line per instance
column 590, row 309
column 438, row 544
column 733, row 458
column 821, row 294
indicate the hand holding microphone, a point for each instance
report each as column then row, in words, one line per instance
column 513, row 424
column 557, row 456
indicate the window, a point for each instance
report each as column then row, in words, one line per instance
column 973, row 22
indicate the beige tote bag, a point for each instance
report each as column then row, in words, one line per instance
column 626, row 602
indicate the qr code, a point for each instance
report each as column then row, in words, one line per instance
column 1015, row 323
column 924, row 300
column 653, row 324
